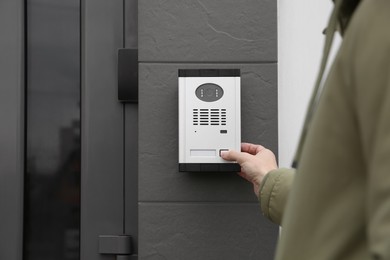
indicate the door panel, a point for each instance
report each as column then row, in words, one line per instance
column 12, row 128
column 131, row 24
column 131, row 134
column 102, row 138
column 131, row 174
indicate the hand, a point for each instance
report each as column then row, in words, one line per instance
column 255, row 161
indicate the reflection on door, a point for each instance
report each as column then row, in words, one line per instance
column 52, row 175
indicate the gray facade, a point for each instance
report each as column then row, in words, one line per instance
column 207, row 31
column 130, row 183
column 202, row 216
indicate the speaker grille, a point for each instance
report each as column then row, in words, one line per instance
column 209, row 117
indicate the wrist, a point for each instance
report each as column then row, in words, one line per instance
column 258, row 183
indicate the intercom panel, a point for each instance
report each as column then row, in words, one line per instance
column 209, row 119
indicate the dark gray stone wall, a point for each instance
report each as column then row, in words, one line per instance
column 203, row 31
column 203, row 216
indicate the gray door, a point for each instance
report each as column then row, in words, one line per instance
column 11, row 129
column 62, row 130
column 130, row 189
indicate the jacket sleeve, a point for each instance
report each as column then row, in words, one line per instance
column 273, row 193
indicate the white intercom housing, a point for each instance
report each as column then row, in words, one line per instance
column 209, row 119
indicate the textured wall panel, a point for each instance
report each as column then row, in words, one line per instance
column 205, row 231
column 207, row 30
column 159, row 179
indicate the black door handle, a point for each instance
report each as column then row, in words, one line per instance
column 128, row 75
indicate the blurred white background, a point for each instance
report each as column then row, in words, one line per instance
column 300, row 43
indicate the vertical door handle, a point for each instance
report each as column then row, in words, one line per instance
column 128, row 75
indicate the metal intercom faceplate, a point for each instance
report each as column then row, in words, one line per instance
column 209, row 119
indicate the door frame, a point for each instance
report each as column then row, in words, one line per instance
column 12, row 128
column 102, row 125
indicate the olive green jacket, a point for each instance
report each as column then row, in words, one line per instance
column 339, row 203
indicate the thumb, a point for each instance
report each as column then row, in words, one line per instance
column 234, row 156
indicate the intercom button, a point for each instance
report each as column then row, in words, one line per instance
column 223, row 150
